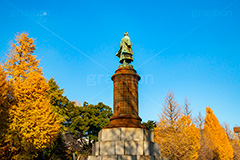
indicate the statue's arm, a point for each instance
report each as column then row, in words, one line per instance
column 128, row 43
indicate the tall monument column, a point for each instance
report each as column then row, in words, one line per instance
column 125, row 99
column 125, row 138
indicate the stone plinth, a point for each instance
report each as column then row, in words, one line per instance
column 126, row 143
column 125, row 99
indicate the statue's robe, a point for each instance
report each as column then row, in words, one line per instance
column 125, row 51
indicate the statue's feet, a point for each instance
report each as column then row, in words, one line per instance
column 125, row 64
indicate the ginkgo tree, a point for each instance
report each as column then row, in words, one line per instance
column 178, row 136
column 33, row 125
column 217, row 137
column 4, row 109
column 233, row 139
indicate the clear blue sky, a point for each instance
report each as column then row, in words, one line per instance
column 189, row 47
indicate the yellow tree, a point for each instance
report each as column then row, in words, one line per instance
column 178, row 136
column 186, row 108
column 33, row 124
column 189, row 138
column 205, row 152
column 4, row 108
column 233, row 138
column 218, row 139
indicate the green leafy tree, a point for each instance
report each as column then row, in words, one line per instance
column 149, row 124
column 57, row 151
column 62, row 107
column 90, row 119
column 59, row 103
column 80, row 125
column 83, row 125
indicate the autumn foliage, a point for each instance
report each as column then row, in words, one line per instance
column 233, row 139
column 32, row 124
column 180, row 139
column 4, row 107
column 178, row 136
column 38, row 122
column 214, row 132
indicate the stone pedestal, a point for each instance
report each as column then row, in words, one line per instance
column 125, row 144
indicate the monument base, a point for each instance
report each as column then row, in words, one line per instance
column 125, row 143
column 125, row 157
column 125, row 120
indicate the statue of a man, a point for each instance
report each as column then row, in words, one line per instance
column 125, row 52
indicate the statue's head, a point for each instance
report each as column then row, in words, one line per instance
column 126, row 34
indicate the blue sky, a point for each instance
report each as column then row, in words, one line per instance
column 189, row 47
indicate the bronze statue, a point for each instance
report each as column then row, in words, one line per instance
column 125, row 52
